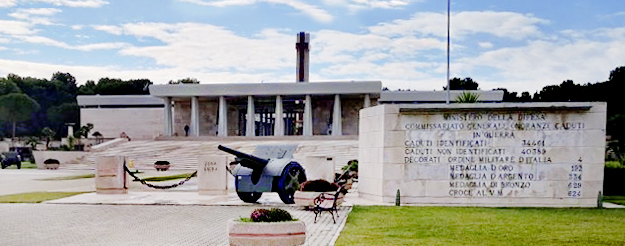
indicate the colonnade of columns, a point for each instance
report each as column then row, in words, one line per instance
column 222, row 129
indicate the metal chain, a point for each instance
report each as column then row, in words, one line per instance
column 157, row 186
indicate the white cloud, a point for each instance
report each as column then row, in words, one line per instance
column 501, row 24
column 308, row 9
column 15, row 28
column 334, row 46
column 77, row 27
column 485, row 45
column 7, row 3
column 76, row 3
column 357, row 5
column 54, row 43
column 541, row 63
column 158, row 76
column 36, row 16
column 110, row 29
column 211, row 48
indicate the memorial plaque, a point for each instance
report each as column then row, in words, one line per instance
column 491, row 154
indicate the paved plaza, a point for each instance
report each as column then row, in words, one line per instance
column 62, row 224
column 179, row 217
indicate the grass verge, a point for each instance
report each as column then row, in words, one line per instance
column 620, row 200
column 83, row 176
column 483, row 226
column 36, row 197
column 25, row 165
column 165, row 178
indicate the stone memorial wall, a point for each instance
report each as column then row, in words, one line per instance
column 530, row 154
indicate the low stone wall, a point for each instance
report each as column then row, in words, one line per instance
column 62, row 156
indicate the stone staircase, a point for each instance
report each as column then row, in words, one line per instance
column 183, row 155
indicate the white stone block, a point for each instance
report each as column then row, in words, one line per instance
column 370, row 186
column 212, row 175
column 319, row 167
column 110, row 175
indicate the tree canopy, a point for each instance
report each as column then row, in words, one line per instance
column 108, row 86
column 184, row 81
column 16, row 107
column 462, row 84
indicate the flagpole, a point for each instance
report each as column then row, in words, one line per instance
column 448, row 21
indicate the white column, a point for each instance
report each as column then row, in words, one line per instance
column 367, row 101
column 195, row 117
column 222, row 129
column 278, row 126
column 250, row 130
column 308, row 128
column 337, row 122
column 167, row 117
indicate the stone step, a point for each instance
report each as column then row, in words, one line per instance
column 184, row 154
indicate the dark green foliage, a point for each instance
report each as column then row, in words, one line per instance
column 84, row 130
column 65, row 113
column 613, row 182
column 51, row 161
column 184, row 81
column 7, row 87
column 318, row 185
column 17, row 107
column 351, row 165
column 60, row 89
column 270, row 215
column 108, row 86
column 467, row 97
column 513, row 97
column 462, row 84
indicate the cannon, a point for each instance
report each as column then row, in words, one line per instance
column 270, row 169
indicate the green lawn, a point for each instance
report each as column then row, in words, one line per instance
column 25, row 165
column 483, row 226
column 73, row 177
column 35, row 197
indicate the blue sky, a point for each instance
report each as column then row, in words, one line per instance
column 518, row 45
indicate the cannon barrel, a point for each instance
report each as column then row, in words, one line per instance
column 246, row 160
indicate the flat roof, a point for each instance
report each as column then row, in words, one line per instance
column 266, row 89
column 116, row 100
column 436, row 96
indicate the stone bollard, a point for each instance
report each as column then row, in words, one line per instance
column 211, row 175
column 110, row 175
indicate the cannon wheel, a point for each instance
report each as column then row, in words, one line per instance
column 292, row 176
column 250, row 197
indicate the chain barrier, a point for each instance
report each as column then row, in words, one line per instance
column 157, row 186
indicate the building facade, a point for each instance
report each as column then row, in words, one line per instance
column 248, row 109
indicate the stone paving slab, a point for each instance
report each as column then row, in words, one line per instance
column 64, row 224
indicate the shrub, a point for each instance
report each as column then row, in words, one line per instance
column 613, row 181
column 351, row 166
column 51, row 161
column 318, row 185
column 270, row 215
